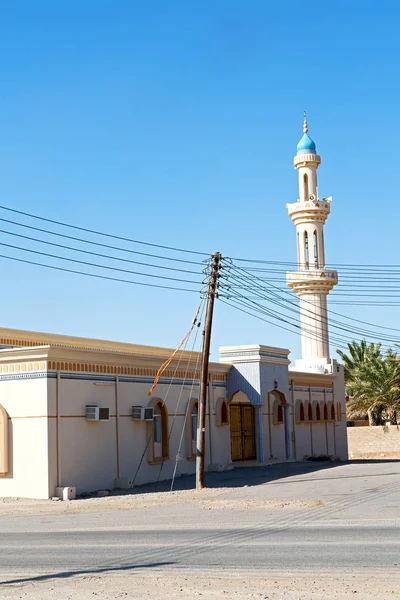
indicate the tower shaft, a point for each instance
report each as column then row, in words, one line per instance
column 312, row 282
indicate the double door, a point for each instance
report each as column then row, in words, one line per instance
column 243, row 443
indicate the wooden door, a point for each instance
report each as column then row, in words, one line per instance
column 243, row 446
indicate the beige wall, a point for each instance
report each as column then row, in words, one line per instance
column 326, row 437
column 91, row 459
column 25, row 401
column 372, row 441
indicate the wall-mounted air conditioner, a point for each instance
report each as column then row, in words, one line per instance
column 141, row 413
column 97, row 413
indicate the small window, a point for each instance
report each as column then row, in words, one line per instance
column 194, row 419
column 302, row 412
column 224, row 413
column 315, row 249
column 160, row 431
column 332, row 412
column 157, row 425
column 306, row 252
column 318, row 412
column 310, row 415
column 325, row 412
column 280, row 414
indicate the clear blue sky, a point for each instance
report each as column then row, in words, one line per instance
column 177, row 122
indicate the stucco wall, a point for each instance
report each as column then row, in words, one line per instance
column 25, row 401
column 94, row 454
column 371, row 441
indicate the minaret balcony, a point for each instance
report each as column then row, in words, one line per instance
column 313, row 209
column 312, row 281
column 306, row 159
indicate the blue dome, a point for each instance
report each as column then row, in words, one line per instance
column 306, row 144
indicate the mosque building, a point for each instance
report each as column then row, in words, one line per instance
column 75, row 415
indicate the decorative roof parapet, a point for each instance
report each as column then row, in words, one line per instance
column 254, row 353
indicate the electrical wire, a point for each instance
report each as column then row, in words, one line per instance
column 82, row 262
column 96, row 276
column 102, row 245
column 314, row 334
column 293, row 301
column 101, row 233
column 108, row 256
column 180, row 356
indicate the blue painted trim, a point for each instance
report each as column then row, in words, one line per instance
column 110, row 378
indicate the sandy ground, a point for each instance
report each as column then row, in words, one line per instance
column 182, row 584
column 207, row 499
column 173, row 582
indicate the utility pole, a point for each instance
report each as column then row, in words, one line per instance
column 201, row 437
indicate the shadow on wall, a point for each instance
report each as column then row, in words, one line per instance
column 236, row 382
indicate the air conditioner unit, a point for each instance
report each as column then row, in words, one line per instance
column 97, row 413
column 141, row 413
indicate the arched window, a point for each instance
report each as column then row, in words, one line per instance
column 306, row 253
column 305, row 186
column 310, row 415
column 224, row 413
column 279, row 416
column 301, row 412
column 160, row 431
column 318, row 413
column 325, row 412
column 316, row 249
column 333, row 412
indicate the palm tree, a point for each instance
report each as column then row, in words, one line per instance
column 376, row 386
column 360, row 355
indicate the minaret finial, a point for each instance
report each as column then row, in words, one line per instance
column 305, row 124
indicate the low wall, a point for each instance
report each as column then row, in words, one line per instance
column 374, row 441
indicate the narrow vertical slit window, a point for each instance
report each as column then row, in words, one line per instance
column 316, row 249
column 306, row 253
column 305, row 186
column 194, row 415
column 298, row 251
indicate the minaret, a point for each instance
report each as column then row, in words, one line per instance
column 312, row 282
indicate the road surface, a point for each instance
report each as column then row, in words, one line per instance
column 297, row 518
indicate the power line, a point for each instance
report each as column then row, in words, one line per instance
column 153, row 285
column 118, row 248
column 292, row 321
column 277, row 299
column 94, row 232
column 376, row 267
column 127, row 260
column 82, row 262
column 292, row 296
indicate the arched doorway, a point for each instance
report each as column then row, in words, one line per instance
column 243, row 438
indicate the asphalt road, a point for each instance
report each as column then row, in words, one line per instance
column 355, row 524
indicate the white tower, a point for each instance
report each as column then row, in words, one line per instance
column 312, row 282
